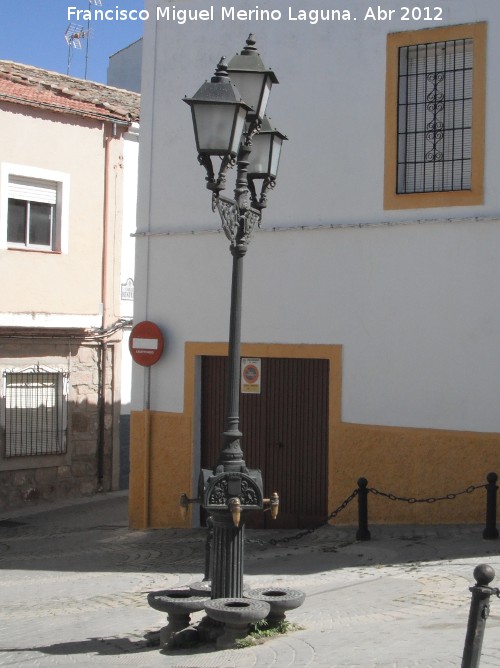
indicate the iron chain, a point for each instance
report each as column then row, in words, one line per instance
column 377, row 492
column 331, row 516
column 431, row 499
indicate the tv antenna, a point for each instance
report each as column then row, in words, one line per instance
column 75, row 34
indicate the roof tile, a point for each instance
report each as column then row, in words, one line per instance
column 25, row 84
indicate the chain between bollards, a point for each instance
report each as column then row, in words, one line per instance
column 363, row 532
column 478, row 614
column 331, row 516
column 491, row 487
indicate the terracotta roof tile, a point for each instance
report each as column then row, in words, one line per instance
column 28, row 85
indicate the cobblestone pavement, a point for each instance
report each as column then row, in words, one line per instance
column 74, row 580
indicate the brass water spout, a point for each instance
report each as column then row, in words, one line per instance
column 274, row 504
column 184, row 503
column 235, row 508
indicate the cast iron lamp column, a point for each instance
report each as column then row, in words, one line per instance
column 226, row 120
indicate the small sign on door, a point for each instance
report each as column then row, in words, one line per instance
column 250, row 375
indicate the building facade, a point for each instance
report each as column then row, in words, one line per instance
column 68, row 174
column 369, row 296
column 124, row 69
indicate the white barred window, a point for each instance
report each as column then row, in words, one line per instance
column 35, row 402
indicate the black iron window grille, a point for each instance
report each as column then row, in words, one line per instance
column 35, row 411
column 434, row 147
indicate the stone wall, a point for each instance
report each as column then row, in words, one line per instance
column 81, row 471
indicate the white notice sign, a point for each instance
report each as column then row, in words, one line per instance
column 250, row 375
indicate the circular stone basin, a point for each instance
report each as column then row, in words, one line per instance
column 203, row 588
column 237, row 611
column 176, row 601
column 279, row 599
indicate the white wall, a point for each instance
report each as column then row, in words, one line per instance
column 129, row 215
column 124, row 68
column 127, row 266
column 47, row 301
column 414, row 305
column 330, row 102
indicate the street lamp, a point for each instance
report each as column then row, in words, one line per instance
column 264, row 161
column 229, row 123
column 252, row 78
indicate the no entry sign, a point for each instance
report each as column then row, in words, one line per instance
column 250, row 375
column 146, row 343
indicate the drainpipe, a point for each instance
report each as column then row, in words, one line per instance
column 107, row 180
column 101, row 437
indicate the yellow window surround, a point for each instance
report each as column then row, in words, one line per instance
column 475, row 194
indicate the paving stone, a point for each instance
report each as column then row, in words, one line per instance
column 74, row 581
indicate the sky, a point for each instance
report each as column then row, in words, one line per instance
column 32, row 32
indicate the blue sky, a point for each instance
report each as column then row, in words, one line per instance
column 32, row 32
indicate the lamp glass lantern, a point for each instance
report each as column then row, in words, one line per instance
column 266, row 151
column 218, row 114
column 252, row 78
column 218, row 127
column 255, row 88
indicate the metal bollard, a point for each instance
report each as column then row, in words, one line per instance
column 491, row 530
column 478, row 614
column 363, row 532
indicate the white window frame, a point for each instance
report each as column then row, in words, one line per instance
column 60, row 239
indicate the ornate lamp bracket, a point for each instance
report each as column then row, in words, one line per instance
column 254, row 128
column 260, row 201
column 238, row 225
column 216, row 184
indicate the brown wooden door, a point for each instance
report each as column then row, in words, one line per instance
column 285, row 434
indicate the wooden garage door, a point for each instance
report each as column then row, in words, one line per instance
column 285, row 434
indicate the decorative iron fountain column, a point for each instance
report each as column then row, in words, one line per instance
column 229, row 122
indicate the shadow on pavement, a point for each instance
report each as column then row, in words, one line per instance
column 94, row 537
column 102, row 646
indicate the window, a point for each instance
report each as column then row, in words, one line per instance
column 34, row 208
column 35, row 411
column 31, row 213
column 435, row 117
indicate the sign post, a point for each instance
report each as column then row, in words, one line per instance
column 146, row 347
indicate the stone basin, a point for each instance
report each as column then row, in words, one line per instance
column 280, row 599
column 179, row 604
column 236, row 614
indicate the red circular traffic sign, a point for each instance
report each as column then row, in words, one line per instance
column 250, row 373
column 146, row 343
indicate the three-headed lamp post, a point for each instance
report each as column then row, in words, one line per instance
column 229, row 123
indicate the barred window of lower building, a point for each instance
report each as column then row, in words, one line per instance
column 35, row 412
